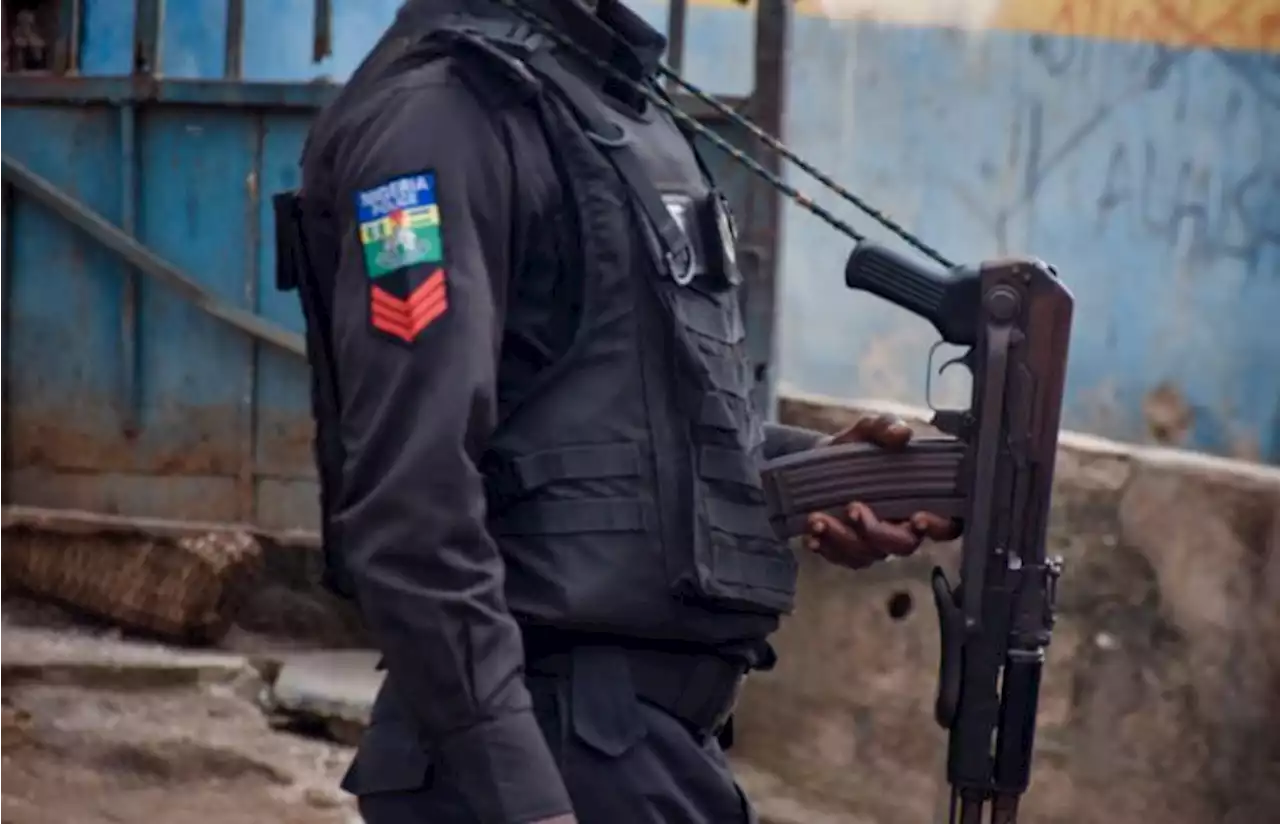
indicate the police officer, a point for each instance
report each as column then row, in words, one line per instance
column 537, row 452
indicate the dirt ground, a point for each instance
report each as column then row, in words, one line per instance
column 200, row 754
column 193, row 755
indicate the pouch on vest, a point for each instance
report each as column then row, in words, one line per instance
column 294, row 271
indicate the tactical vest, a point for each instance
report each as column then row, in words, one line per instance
column 623, row 487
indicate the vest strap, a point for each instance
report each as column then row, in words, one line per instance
column 732, row 465
column 739, row 520
column 573, row 518
column 676, row 255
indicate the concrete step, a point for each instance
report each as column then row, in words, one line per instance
column 75, row 658
column 333, row 689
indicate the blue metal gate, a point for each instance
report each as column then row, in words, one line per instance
column 150, row 367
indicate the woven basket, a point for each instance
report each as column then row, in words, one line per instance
column 181, row 588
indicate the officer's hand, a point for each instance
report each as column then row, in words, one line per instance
column 861, row 539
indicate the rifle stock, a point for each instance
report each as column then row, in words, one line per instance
column 995, row 473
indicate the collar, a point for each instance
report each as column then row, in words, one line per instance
column 612, row 33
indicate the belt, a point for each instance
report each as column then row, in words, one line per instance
column 700, row 690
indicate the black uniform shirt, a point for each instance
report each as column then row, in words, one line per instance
column 451, row 236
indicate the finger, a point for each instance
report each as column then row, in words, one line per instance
column 887, row 536
column 851, row 434
column 864, row 430
column 935, row 527
column 827, row 533
column 886, row 431
column 832, row 539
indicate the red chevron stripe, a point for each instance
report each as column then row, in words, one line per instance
column 406, row 318
column 405, row 310
column 408, row 328
column 409, row 309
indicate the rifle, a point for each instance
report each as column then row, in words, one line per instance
column 994, row 472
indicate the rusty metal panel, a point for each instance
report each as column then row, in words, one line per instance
column 122, row 395
column 63, row 299
column 7, row 315
column 115, row 379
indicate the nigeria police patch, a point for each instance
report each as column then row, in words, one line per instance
column 400, row 224
column 403, row 249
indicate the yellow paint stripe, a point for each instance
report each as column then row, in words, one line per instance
column 424, row 216
column 419, row 216
column 1233, row 24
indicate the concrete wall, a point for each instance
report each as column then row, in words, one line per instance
column 1159, row 700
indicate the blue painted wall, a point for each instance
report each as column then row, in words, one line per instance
column 1149, row 173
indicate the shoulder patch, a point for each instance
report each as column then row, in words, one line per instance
column 400, row 228
column 400, row 224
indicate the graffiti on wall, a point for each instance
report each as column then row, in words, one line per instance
column 1189, row 201
column 1175, row 187
column 1206, row 204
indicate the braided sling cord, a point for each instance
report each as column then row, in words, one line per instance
column 795, row 195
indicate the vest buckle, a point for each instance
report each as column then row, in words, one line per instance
column 681, row 265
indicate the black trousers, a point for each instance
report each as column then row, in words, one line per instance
column 658, row 771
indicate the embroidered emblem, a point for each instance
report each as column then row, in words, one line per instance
column 405, row 318
column 400, row 224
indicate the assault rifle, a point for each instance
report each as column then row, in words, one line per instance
column 995, row 473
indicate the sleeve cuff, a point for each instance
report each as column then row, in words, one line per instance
column 506, row 771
